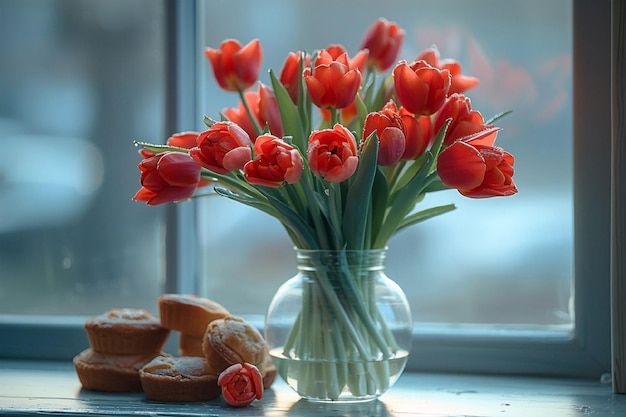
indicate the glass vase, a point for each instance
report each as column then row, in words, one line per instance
column 340, row 329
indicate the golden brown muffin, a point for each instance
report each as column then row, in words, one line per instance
column 126, row 331
column 176, row 379
column 232, row 340
column 188, row 313
column 189, row 345
column 105, row 372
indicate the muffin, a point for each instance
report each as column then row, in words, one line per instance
column 232, row 340
column 189, row 345
column 188, row 314
column 114, row 373
column 126, row 331
column 178, row 379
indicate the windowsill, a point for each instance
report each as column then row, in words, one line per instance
column 52, row 388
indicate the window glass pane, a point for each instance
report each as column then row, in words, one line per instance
column 79, row 81
column 498, row 261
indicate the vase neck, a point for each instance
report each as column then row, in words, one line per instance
column 371, row 259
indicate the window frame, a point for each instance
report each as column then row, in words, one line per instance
column 618, row 203
column 585, row 352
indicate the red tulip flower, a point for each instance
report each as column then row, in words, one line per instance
column 290, row 73
column 167, row 177
column 418, row 134
column 264, row 106
column 421, row 88
column 239, row 115
column 331, row 83
column 222, row 148
column 332, row 153
column 358, row 61
column 465, row 120
column 275, row 162
column 269, row 113
column 383, row 40
column 460, row 83
column 389, row 129
column 236, row 68
column 477, row 169
column 241, row 384
column 185, row 140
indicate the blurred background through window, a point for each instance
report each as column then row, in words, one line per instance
column 496, row 261
column 79, row 81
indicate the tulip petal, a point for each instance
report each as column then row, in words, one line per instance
column 236, row 158
column 178, row 169
column 411, row 90
column 345, row 89
column 461, row 166
column 392, row 144
column 246, row 64
column 340, row 173
column 144, row 194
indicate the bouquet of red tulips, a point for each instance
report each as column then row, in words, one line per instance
column 355, row 179
column 340, row 149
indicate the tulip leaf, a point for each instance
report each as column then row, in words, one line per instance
column 292, row 220
column 359, row 194
column 382, row 93
column 305, row 106
column 294, row 232
column 436, row 185
column 498, row 116
column 304, row 103
column 244, row 199
column 232, row 182
column 209, row 121
column 288, row 113
column 403, row 203
column 426, row 214
column 160, row 148
column 404, row 200
column 369, row 84
column 322, row 203
column 438, row 142
column 362, row 112
column 380, row 196
column 411, row 169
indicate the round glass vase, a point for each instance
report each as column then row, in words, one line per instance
column 340, row 329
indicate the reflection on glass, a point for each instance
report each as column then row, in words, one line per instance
column 506, row 261
column 78, row 82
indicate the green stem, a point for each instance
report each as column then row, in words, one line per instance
column 342, row 315
column 334, row 116
column 356, row 300
column 335, row 209
column 251, row 115
column 296, row 330
column 342, row 342
column 314, row 211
